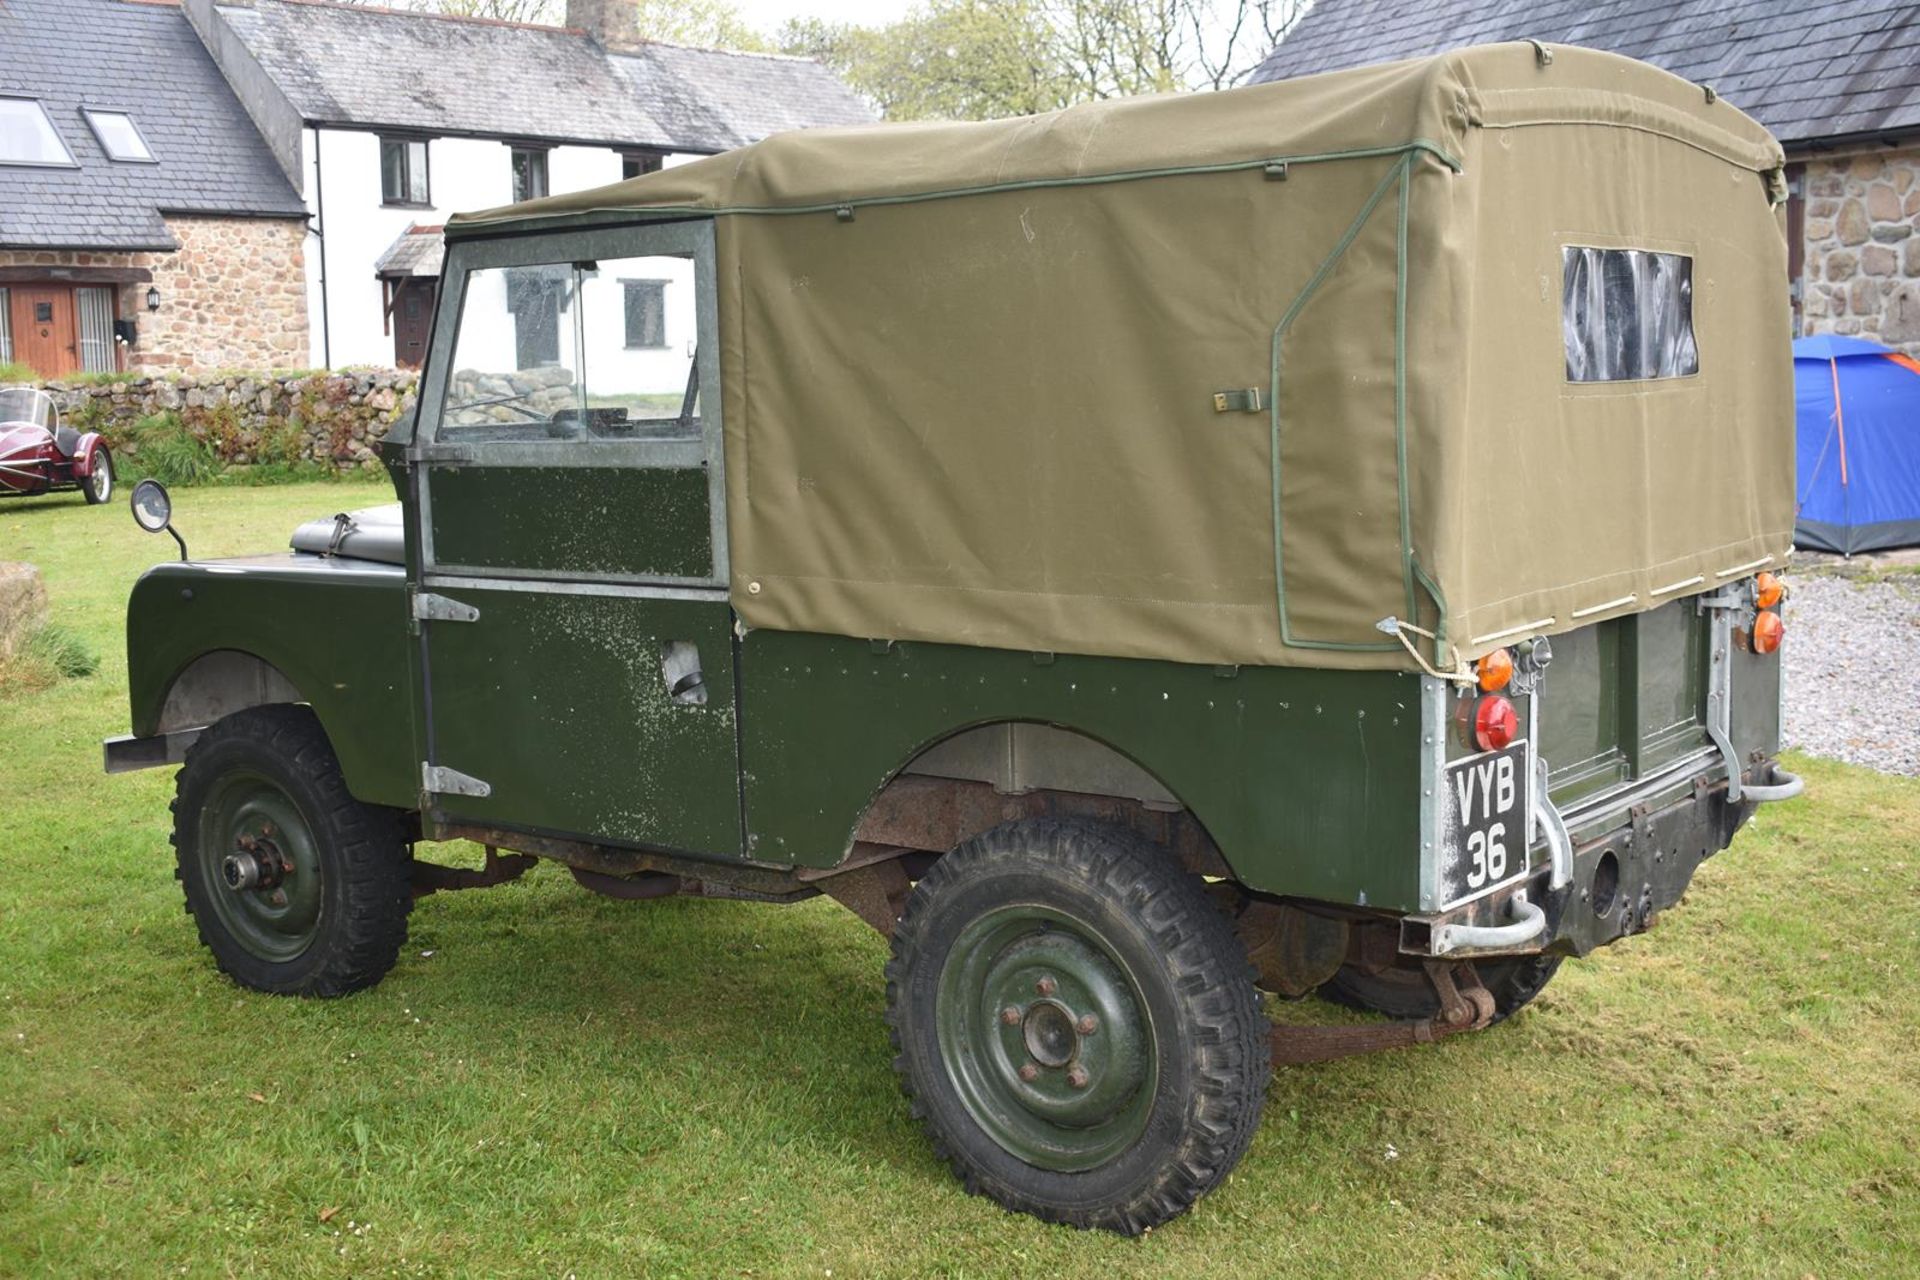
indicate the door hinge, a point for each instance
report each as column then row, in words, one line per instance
column 428, row 607
column 437, row 779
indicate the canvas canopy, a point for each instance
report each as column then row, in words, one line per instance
column 1496, row 341
column 1858, row 407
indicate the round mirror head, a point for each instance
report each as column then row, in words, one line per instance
column 152, row 507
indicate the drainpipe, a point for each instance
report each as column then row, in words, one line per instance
column 320, row 215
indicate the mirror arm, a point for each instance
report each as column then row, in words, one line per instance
column 177, row 538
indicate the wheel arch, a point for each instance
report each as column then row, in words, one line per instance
column 218, row 682
column 972, row 776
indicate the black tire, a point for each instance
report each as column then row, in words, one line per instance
column 96, row 488
column 340, row 867
column 1115, row 910
column 1406, row 993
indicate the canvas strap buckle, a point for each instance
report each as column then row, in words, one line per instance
column 1244, row 400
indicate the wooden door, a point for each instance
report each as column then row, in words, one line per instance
column 45, row 336
column 412, row 320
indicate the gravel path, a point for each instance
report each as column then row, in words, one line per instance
column 1853, row 670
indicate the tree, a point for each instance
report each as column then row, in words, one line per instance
column 979, row 59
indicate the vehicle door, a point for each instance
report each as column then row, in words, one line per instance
column 577, row 649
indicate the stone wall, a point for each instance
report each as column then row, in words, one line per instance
column 232, row 296
column 1862, row 270
column 330, row 418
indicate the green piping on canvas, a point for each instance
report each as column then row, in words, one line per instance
column 1400, row 174
column 480, row 225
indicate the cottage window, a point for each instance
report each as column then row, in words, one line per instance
column 119, row 136
column 646, row 304
column 1627, row 314
column 27, row 136
column 529, row 173
column 6, row 327
column 403, row 172
column 635, row 163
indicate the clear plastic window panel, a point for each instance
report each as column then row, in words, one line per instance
column 1627, row 314
column 543, row 353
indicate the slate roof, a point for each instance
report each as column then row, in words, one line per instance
column 1810, row 70
column 417, row 251
column 145, row 60
column 385, row 69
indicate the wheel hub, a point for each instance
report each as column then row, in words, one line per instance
column 261, row 866
column 1046, row 1038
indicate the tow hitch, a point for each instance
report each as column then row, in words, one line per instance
column 1465, row 1005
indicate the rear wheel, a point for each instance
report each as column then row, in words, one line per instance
column 1407, row 993
column 99, row 483
column 297, row 888
column 1076, row 1025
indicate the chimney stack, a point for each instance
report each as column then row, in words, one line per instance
column 614, row 23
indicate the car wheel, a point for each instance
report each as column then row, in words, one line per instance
column 297, row 888
column 1406, row 993
column 1076, row 1026
column 99, row 483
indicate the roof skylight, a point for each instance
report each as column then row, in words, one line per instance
column 27, row 136
column 119, row 136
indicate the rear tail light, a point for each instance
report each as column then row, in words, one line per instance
column 1495, row 670
column 1494, row 723
column 1767, row 590
column 1768, row 632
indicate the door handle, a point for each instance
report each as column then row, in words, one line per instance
column 680, row 671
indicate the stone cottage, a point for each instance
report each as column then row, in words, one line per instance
column 1839, row 85
column 144, row 224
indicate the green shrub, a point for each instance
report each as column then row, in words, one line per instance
column 45, row 656
column 13, row 372
column 61, row 649
column 164, row 449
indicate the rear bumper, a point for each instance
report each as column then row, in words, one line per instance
column 1623, row 876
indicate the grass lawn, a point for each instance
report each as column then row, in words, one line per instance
column 553, row 1083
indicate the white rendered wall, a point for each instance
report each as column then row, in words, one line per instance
column 465, row 174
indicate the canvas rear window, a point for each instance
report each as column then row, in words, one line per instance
column 1627, row 314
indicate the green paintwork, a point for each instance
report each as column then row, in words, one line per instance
column 1308, row 780
column 558, row 702
column 1625, row 697
column 275, row 923
column 337, row 629
column 1050, row 970
column 640, row 522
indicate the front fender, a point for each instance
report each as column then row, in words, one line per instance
column 83, row 455
column 336, row 630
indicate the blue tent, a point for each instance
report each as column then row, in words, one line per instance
column 1857, row 405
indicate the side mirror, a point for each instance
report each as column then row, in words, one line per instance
column 153, row 510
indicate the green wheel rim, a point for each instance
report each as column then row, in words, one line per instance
column 250, row 823
column 1046, row 1038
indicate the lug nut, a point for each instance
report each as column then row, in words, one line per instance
column 1087, row 1025
column 1046, row 986
column 1010, row 1016
column 1077, row 1076
column 1029, row 1072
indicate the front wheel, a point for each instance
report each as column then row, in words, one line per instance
column 1076, row 1025
column 99, row 484
column 297, row 888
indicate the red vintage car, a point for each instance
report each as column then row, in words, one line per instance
column 40, row 455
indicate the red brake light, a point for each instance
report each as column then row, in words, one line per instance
column 1494, row 723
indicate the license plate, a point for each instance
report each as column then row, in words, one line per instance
column 1486, row 826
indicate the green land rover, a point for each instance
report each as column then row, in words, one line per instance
column 1313, row 537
